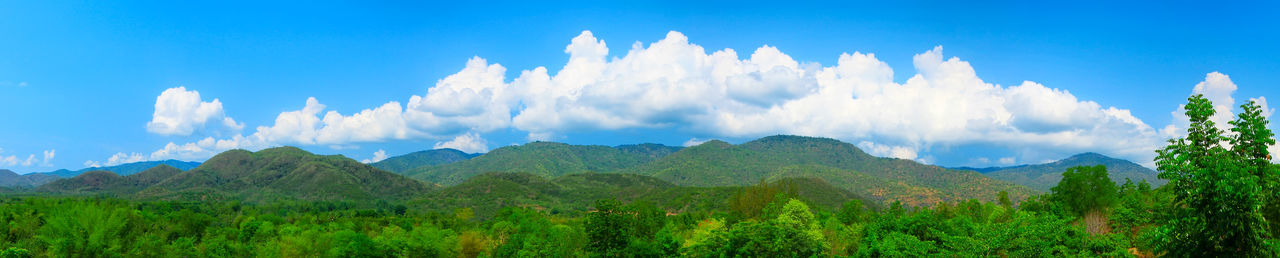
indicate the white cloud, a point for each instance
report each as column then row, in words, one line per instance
column 469, row 143
column 675, row 84
column 48, row 158
column 30, row 160
column 182, row 112
column 694, row 142
column 377, row 156
column 1007, row 161
column 881, row 150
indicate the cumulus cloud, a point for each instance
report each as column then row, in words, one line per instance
column 694, row 142
column 30, row 160
column 377, row 156
column 182, row 112
column 469, row 143
column 675, row 84
column 900, row 152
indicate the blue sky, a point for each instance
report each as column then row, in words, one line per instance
column 79, row 82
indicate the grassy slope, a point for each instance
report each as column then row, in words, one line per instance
column 402, row 163
column 1044, row 176
column 718, row 163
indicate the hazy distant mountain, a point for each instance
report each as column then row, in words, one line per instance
column 546, row 159
column 402, row 163
column 127, row 168
column 11, row 179
column 284, row 173
column 1044, row 176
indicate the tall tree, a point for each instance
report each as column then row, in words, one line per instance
column 1088, row 192
column 1216, row 193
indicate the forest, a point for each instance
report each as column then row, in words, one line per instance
column 1220, row 199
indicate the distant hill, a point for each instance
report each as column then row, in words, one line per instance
column 487, row 193
column 284, row 173
column 717, row 163
column 107, row 182
column 402, row 163
column 546, row 159
column 1044, row 176
column 10, row 179
column 125, row 169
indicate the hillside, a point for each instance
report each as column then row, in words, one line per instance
column 1044, row 176
column 284, row 173
column 489, row 192
column 402, row 163
column 107, row 182
column 10, row 179
column 546, row 159
column 717, row 163
column 125, row 169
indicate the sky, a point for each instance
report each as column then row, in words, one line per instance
column 87, row 84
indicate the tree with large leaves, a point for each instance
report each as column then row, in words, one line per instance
column 1216, row 191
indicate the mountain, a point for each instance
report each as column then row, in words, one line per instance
column 546, row 159
column 11, row 179
column 101, row 181
column 126, row 169
column 284, row 173
column 717, row 163
column 1044, row 176
column 402, row 163
column 487, row 193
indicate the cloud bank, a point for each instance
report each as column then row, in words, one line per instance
column 678, row 85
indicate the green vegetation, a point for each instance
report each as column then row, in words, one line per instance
column 1218, row 191
column 402, row 163
column 717, row 163
column 1043, row 176
column 547, row 159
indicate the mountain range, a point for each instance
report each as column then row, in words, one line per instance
column 269, row 174
column 568, row 177
column 125, row 169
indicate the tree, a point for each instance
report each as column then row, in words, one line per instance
column 851, row 212
column 606, row 228
column 1251, row 142
column 1216, row 192
column 1086, row 191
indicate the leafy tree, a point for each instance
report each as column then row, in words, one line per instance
column 606, row 228
column 852, row 212
column 1085, row 189
column 1216, row 191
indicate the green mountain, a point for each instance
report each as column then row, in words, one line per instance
column 717, row 163
column 546, row 159
column 14, row 180
column 284, row 173
column 402, row 163
column 110, row 183
column 487, row 193
column 1044, row 176
column 127, row 168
